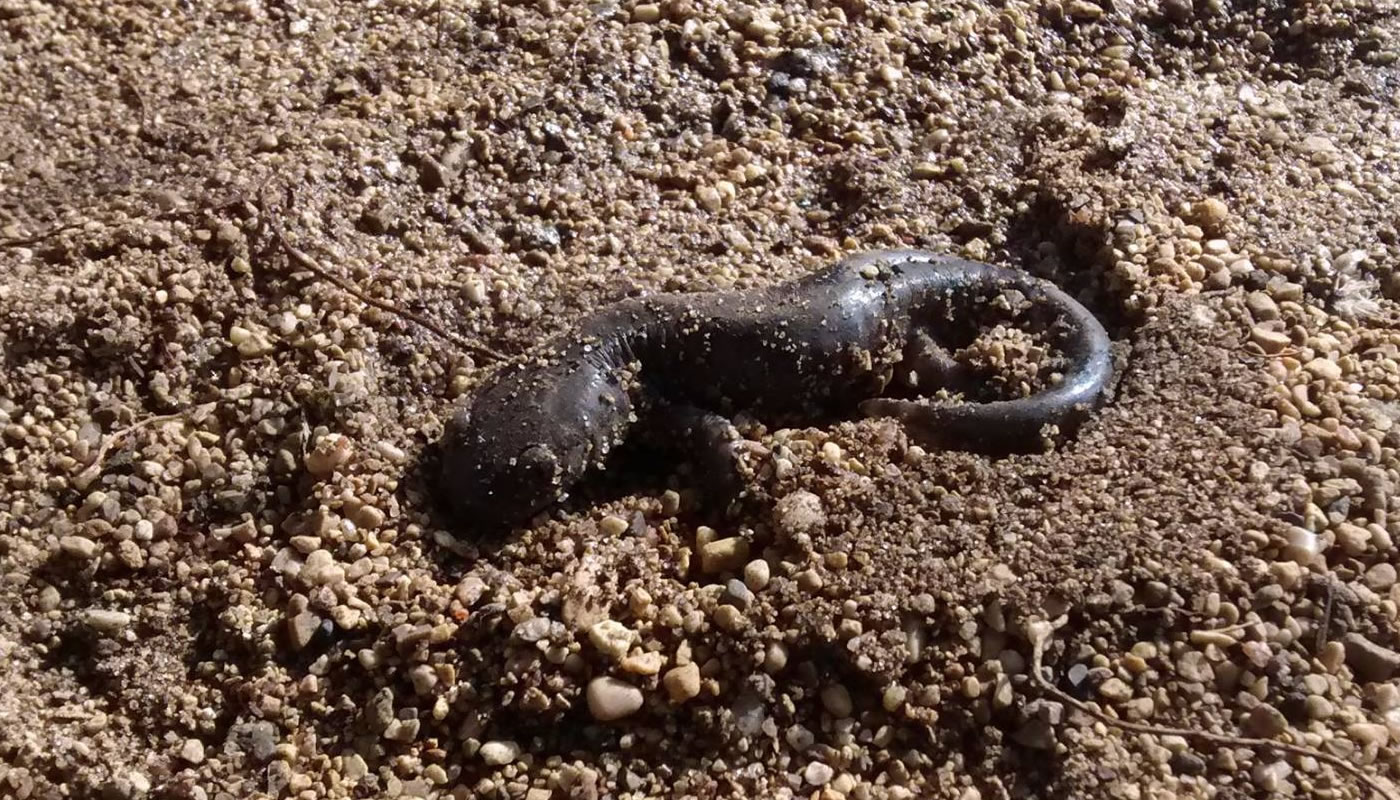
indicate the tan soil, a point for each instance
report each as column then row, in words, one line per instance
column 222, row 571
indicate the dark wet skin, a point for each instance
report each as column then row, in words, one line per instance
column 827, row 345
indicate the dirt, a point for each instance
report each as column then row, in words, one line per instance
column 224, row 571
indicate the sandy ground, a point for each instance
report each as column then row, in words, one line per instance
column 222, row 569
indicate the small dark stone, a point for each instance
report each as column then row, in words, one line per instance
column 1187, row 763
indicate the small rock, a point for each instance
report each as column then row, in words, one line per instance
column 1115, row 690
column 1270, row 776
column 818, row 774
column 193, row 751
column 1353, row 539
column 1084, row 10
column 1261, row 306
column 756, row 574
column 612, row 638
column 1301, row 545
column 320, row 569
column 837, row 700
column 1368, row 733
column 737, row 592
column 644, row 663
column 682, row 683
column 730, row 618
column 612, row 526
column 355, row 767
column 1380, row 577
column 1265, row 722
column 1269, row 340
column 78, row 547
column 423, row 677
column 402, row 730
column 611, row 699
column 799, row 512
column 49, row 599
column 646, row 12
column 1188, row 763
column 1324, row 369
column 329, row 453
column 533, row 630
column 724, row 555
column 1210, row 213
column 108, row 622
column 301, row 628
column 499, row 753
column 1370, row 661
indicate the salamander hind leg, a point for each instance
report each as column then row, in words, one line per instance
column 928, row 366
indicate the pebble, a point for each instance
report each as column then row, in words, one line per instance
column 893, row 697
column 535, row 629
column 1270, row 776
column 1318, row 707
column 1301, row 545
column 837, row 700
column 799, row 512
column 330, row 453
column 612, row 526
column 301, row 628
column 1265, row 722
column 499, row 753
column 756, row 574
column 320, row 569
column 108, row 622
column 724, row 555
column 1324, row 369
column 355, row 767
column 818, row 774
column 611, row 699
column 646, row 12
column 1210, row 213
column 644, row 663
column 193, row 751
column 423, row 677
column 1370, row 661
column 775, row 658
column 1368, row 733
column 78, row 547
column 1380, row 577
column 682, row 683
column 730, row 618
column 738, row 592
column 611, row 638
column 1115, row 690
column 1269, row 340
column 1353, row 539
column 49, row 599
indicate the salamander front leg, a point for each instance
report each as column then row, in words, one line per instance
column 712, row 443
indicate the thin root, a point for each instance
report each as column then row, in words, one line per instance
column 1040, row 635
column 308, row 263
column 89, row 474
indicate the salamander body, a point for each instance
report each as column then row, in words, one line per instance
column 827, row 344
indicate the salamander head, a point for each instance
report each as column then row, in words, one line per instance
column 495, row 475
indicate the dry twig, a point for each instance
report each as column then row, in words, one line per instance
column 308, row 263
column 1039, row 633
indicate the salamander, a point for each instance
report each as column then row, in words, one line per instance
column 828, row 344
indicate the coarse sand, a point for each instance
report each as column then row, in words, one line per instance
column 224, row 572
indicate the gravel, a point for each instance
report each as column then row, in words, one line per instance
column 223, row 568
